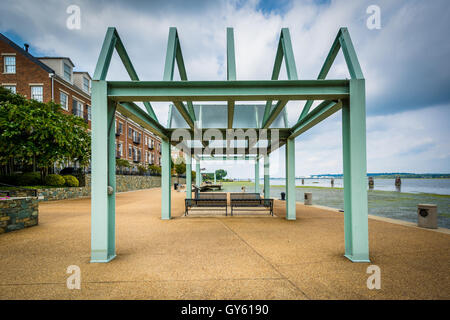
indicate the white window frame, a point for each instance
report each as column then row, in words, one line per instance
column 80, row 108
column 66, row 106
column 5, row 66
column 64, row 72
column 42, row 89
column 9, row 86
column 88, row 85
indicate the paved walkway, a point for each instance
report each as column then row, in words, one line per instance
column 217, row 257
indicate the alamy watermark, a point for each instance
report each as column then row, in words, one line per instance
column 374, row 280
column 74, row 280
column 73, row 21
column 373, row 22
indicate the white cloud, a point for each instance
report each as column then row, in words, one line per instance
column 405, row 63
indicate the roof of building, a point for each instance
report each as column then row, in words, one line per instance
column 57, row 58
column 25, row 53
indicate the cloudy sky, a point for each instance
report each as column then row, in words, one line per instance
column 406, row 63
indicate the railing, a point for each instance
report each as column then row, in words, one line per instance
column 137, row 140
column 118, row 155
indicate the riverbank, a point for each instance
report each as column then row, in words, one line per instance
column 388, row 204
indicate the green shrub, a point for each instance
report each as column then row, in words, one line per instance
column 29, row 179
column 9, row 179
column 54, row 180
column 71, row 181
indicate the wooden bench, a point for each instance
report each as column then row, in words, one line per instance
column 207, row 200
column 250, row 200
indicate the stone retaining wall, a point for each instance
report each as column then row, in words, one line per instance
column 18, row 213
column 123, row 183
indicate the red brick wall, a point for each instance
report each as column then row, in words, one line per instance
column 26, row 72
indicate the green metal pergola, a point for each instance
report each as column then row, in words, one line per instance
column 258, row 128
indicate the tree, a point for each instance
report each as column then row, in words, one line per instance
column 122, row 163
column 180, row 168
column 39, row 134
column 220, row 174
column 154, row 169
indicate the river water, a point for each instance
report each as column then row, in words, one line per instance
column 384, row 200
column 436, row 186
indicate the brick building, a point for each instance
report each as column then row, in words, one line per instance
column 53, row 78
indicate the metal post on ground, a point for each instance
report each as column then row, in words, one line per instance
column 354, row 159
column 266, row 177
column 188, row 177
column 166, row 180
column 290, row 179
column 257, row 175
column 198, row 174
column 103, row 176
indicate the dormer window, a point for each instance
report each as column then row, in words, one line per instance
column 86, row 85
column 67, row 73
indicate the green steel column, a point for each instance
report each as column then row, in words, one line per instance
column 266, row 177
column 355, row 171
column 166, row 180
column 188, row 177
column 103, row 175
column 198, row 174
column 257, row 176
column 290, row 180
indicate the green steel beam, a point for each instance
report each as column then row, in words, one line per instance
column 257, row 188
column 284, row 50
column 343, row 41
column 274, row 114
column 166, row 177
column 282, row 133
column 184, row 113
column 173, row 54
column 188, row 177
column 132, row 111
column 335, row 47
column 321, row 112
column 350, row 55
column 198, row 173
column 266, row 177
column 112, row 40
column 245, row 90
column 231, row 58
column 290, row 180
column 355, row 173
column 103, row 176
column 231, row 72
column 228, row 157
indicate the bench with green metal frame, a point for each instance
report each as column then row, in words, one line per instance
column 250, row 201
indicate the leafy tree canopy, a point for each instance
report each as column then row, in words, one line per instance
column 40, row 132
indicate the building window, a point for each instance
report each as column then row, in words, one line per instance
column 37, row 93
column 129, row 132
column 77, row 108
column 120, row 127
column 64, row 100
column 88, row 109
column 129, row 151
column 86, row 84
column 67, row 72
column 10, row 88
column 10, row 64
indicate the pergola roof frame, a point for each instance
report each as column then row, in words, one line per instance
column 345, row 94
